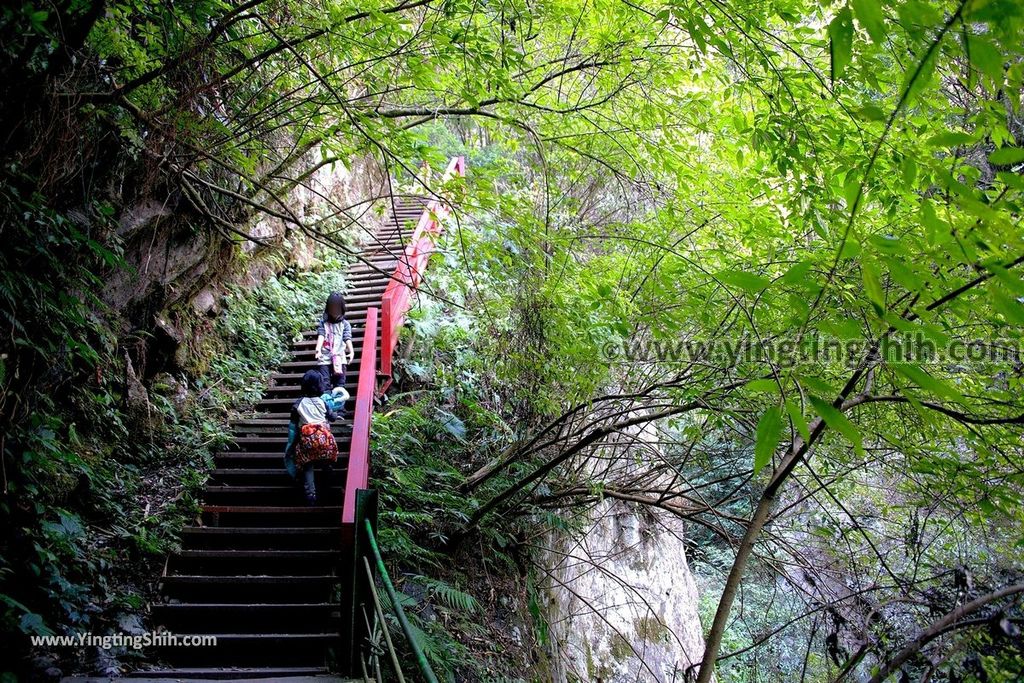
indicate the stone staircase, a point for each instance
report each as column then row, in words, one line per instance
column 260, row 570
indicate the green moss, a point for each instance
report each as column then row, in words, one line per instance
column 651, row 629
column 620, row 647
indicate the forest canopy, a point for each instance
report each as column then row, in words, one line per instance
column 786, row 231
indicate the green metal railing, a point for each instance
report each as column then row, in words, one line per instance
column 375, row 638
column 389, row 588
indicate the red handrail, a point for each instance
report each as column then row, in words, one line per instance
column 408, row 273
column 359, row 451
column 394, row 305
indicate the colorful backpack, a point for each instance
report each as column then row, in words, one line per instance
column 316, row 443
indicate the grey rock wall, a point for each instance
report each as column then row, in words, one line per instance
column 179, row 268
column 622, row 602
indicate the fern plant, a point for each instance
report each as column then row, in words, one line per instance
column 449, row 595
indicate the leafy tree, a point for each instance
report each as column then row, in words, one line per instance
column 786, row 228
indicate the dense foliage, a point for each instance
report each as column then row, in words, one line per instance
column 107, row 478
column 784, row 235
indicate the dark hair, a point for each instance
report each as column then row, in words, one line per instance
column 312, row 383
column 337, row 299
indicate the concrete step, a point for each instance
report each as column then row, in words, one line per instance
column 229, row 617
column 282, row 588
column 262, row 538
column 253, row 562
column 269, row 515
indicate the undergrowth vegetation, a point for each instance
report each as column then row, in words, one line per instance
column 452, row 412
column 112, row 466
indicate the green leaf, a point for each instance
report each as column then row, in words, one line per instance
column 851, row 189
column 909, row 170
column 902, row 273
column 987, row 506
column 698, row 34
column 951, row 138
column 797, row 273
column 761, row 385
column 918, row 376
column 34, row 624
column 840, row 45
column 769, row 431
column 816, row 384
column 937, row 229
column 1007, row 155
column 887, row 244
column 869, row 15
column 871, row 112
column 798, row 419
column 845, row 328
column 1012, row 179
column 986, row 58
column 917, row 76
column 915, row 14
column 851, row 249
column 452, row 424
column 1009, row 279
column 749, row 282
column 1008, row 306
column 873, row 287
column 837, row 421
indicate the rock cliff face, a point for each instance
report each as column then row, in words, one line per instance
column 622, row 603
column 178, row 268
